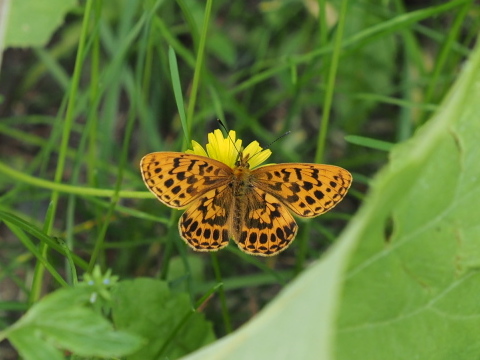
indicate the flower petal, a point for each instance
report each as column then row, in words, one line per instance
column 221, row 148
column 197, row 149
column 256, row 155
column 226, row 149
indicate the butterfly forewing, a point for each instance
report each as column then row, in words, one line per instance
column 307, row 189
column 177, row 179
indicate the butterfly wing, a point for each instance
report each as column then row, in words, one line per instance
column 205, row 224
column 262, row 225
column 307, row 189
column 177, row 179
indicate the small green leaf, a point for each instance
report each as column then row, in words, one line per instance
column 148, row 308
column 32, row 347
column 32, row 22
column 65, row 320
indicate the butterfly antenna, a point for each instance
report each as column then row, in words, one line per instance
column 280, row 137
column 274, row 141
column 222, row 125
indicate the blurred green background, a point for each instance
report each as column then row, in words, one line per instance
column 87, row 88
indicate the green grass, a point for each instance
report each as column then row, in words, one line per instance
column 119, row 80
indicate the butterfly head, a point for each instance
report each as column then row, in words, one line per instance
column 242, row 160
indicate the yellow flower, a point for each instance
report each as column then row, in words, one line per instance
column 223, row 149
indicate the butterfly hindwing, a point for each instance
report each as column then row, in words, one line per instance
column 264, row 226
column 205, row 224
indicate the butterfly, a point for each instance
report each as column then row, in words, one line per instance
column 251, row 206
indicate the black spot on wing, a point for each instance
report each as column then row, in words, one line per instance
column 318, row 194
column 307, row 185
column 310, row 200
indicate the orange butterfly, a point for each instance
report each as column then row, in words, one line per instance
column 225, row 196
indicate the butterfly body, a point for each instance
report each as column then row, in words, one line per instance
column 250, row 206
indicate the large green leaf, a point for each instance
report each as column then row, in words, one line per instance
column 402, row 281
column 411, row 289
